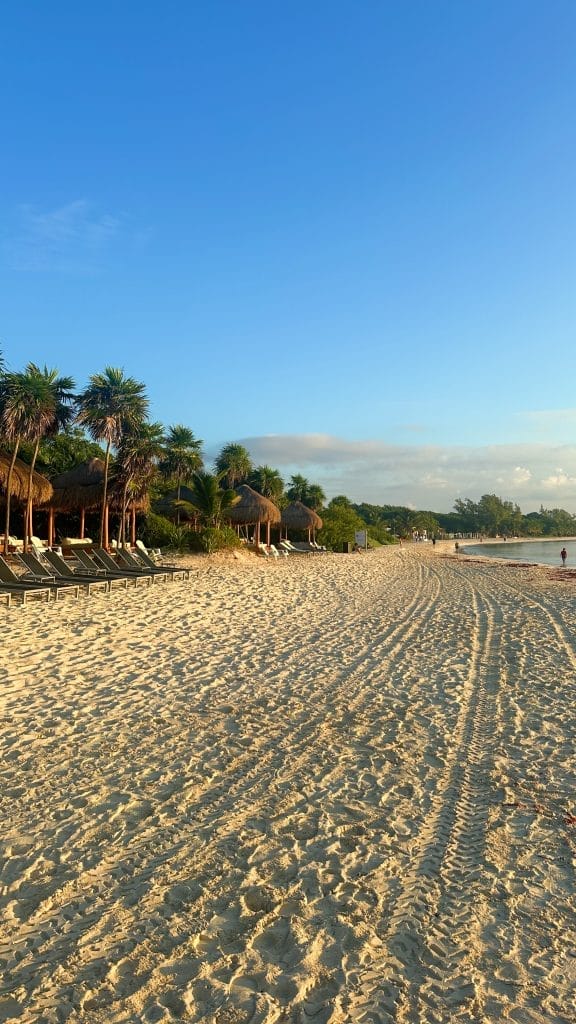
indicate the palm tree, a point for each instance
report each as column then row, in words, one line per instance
column 53, row 413
column 315, row 497
column 15, row 425
column 139, row 452
column 32, row 404
column 268, row 482
column 110, row 405
column 234, row 464
column 209, row 499
column 298, row 488
column 182, row 458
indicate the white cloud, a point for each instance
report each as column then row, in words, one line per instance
column 560, row 479
column 69, row 239
column 421, row 476
column 521, row 475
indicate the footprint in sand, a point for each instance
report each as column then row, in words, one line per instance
column 277, row 943
column 258, row 900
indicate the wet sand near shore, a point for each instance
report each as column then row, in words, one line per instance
column 330, row 789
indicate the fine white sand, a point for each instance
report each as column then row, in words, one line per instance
column 329, row 789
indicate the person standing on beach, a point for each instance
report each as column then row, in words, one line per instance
column 563, row 556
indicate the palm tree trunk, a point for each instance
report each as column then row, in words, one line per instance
column 123, row 513
column 178, row 497
column 104, row 494
column 8, row 486
column 28, row 516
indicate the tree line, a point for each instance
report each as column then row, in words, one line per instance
column 53, row 427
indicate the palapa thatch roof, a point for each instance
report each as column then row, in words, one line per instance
column 41, row 487
column 166, row 506
column 297, row 516
column 252, row 508
column 82, row 488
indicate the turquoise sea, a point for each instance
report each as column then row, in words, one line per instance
column 546, row 552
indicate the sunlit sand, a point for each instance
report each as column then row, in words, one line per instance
column 329, row 789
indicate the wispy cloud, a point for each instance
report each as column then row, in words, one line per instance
column 556, row 426
column 550, row 416
column 70, row 239
column 424, row 476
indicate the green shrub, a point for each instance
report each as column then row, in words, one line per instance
column 159, row 532
column 213, row 538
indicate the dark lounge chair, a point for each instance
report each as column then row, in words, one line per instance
column 98, row 570
column 16, row 586
column 144, row 555
column 101, row 557
column 127, row 561
column 35, row 572
column 64, row 571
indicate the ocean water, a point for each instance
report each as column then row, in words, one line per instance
column 545, row 552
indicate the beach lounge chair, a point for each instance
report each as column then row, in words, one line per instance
column 155, row 553
column 101, row 557
column 12, row 582
column 98, row 570
column 64, row 571
column 14, row 544
column 286, row 545
column 36, row 542
column 276, row 553
column 33, row 568
column 126, row 561
column 270, row 551
column 306, row 547
column 149, row 560
column 35, row 572
column 6, row 596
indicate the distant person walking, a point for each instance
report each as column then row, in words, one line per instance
column 563, row 556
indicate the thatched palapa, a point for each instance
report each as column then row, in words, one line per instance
column 41, row 487
column 83, row 487
column 253, row 508
column 297, row 516
column 79, row 488
column 168, row 504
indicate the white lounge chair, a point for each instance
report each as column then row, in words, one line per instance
column 153, row 553
column 37, row 543
column 276, row 553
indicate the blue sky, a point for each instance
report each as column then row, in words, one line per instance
column 342, row 233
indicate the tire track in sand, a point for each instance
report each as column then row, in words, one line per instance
column 425, row 972
column 60, row 921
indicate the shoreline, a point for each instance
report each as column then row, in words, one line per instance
column 479, row 545
column 306, row 790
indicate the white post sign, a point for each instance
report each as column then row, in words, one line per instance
column 361, row 538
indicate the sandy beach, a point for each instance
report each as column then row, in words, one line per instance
column 329, row 789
